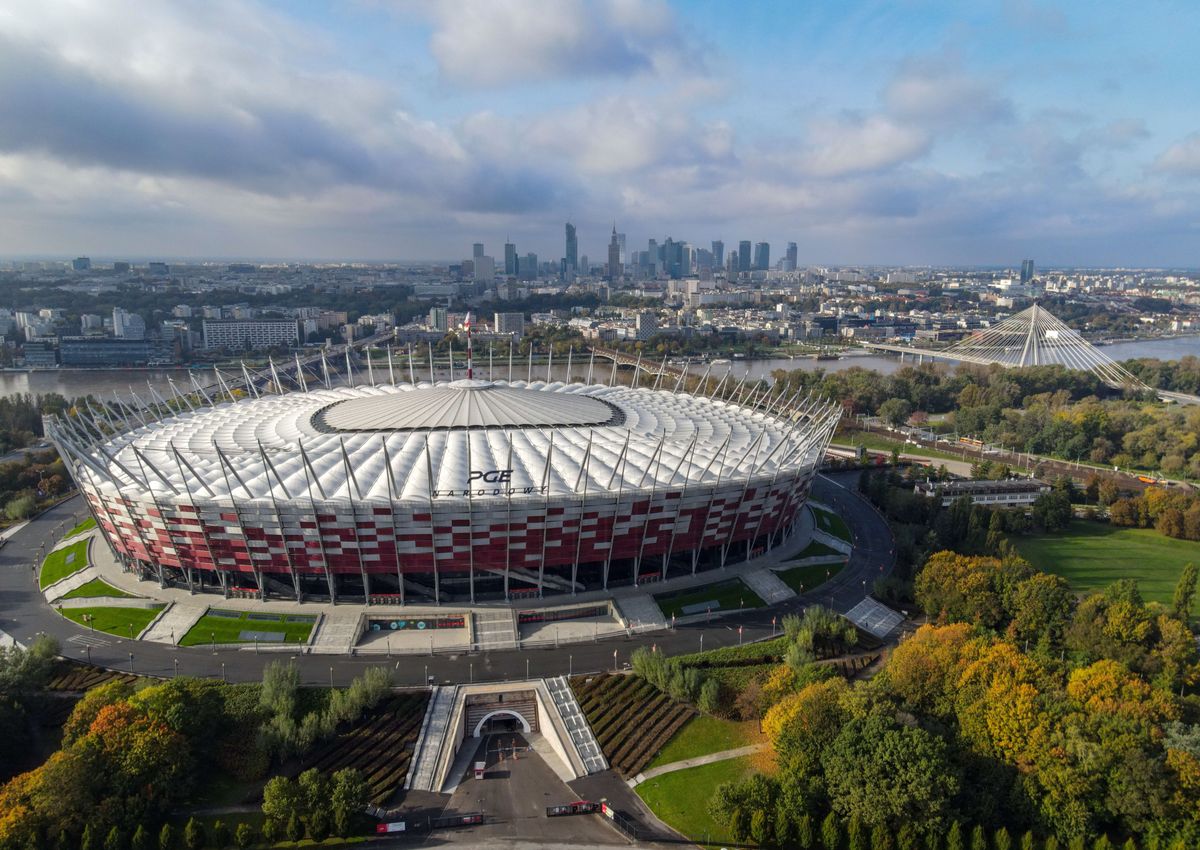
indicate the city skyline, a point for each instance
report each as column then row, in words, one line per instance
column 408, row 130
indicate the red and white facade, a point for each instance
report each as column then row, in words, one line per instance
column 464, row 491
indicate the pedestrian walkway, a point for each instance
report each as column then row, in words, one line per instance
column 175, row 622
column 423, row 771
column 64, row 586
column 769, row 587
column 724, row 755
column 577, row 726
column 875, row 617
column 337, row 632
column 641, row 613
column 495, row 629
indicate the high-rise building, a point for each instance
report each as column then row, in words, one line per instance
column 614, row 257
column 527, row 268
column 121, row 267
column 572, row 255
column 477, row 250
column 1026, row 271
column 653, row 258
column 439, row 320
column 762, row 256
column 646, row 325
column 793, row 256
column 718, row 254
column 485, row 269
column 510, row 259
column 81, row 264
column 621, row 243
column 744, row 255
column 128, row 325
column 510, row 323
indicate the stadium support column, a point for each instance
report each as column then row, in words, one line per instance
column 412, row 372
column 723, row 453
column 269, row 469
column 391, row 368
column 393, row 498
column 300, row 375
column 508, row 528
column 591, row 363
column 612, row 537
column 684, row 458
column 584, row 471
column 432, row 377
column 510, row 359
column 310, row 478
column 757, row 446
column 545, row 517
column 195, row 505
column 437, row 590
column 656, row 462
column 470, row 501
column 351, row 488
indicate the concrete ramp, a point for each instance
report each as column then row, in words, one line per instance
column 641, row 613
column 576, row 724
column 770, row 587
column 422, row 772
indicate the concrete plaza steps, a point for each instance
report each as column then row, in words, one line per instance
column 496, row 629
column 770, row 587
column 175, row 622
column 64, row 586
column 641, row 613
column 337, row 633
column 577, row 726
column 422, row 773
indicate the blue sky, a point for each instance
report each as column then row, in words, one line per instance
column 867, row 132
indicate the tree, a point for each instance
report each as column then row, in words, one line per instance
column 1185, row 593
column 20, row 507
column 960, row 588
column 881, row 838
column 282, row 800
column 114, row 840
column 1041, row 608
column 193, row 834
column 954, row 837
column 166, row 837
column 857, row 834
column 895, row 411
column 805, row 834
column 831, row 832
column 1028, row 842
column 243, row 836
column 141, row 838
column 1002, row 840
column 295, row 828
column 760, row 827
column 907, row 838
column 348, row 797
column 89, row 841
column 978, row 838
column 220, row 834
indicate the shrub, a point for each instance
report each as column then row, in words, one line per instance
column 193, row 834
column 220, row 834
column 243, row 836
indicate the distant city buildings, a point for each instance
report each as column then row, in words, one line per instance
column 128, row 325
column 762, row 256
column 744, row 256
column 509, row 323
column 235, row 335
column 572, row 253
column 1026, row 271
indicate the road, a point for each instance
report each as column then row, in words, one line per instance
column 24, row 614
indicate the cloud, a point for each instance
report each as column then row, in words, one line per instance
column 1182, row 158
column 939, row 92
column 853, row 144
column 492, row 43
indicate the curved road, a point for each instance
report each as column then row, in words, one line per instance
column 24, row 614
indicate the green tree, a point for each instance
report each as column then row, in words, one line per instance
column 114, row 840
column 1077, row 842
column 1051, row 843
column 907, row 837
column 1185, row 593
column 805, row 833
column 954, row 837
column 141, row 839
column 1102, row 842
column 282, row 799
column 895, row 411
column 978, row 838
column 193, row 834
column 760, row 827
column 318, row 824
column 166, row 837
column 831, row 832
column 89, row 841
column 349, row 794
column 243, row 836
column 295, row 828
column 20, row 507
column 857, row 834
column 220, row 834
column 1041, row 607
column 881, row 837
column 1002, row 840
column 1028, row 842
column 933, row 841
column 785, row 828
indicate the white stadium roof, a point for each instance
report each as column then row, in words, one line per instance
column 381, row 443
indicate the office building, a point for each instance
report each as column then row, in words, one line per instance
column 615, row 266
column 793, row 256
column 81, row 264
column 572, row 255
column 510, row 259
column 762, row 256
column 99, row 351
column 439, row 319
column 128, row 325
column 255, row 333
column 744, row 255
column 527, row 268
column 1026, row 271
column 477, row 250
column 121, row 267
column 646, row 325
column 718, row 254
column 158, row 269
column 509, row 323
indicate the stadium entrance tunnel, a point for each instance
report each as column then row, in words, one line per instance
column 502, row 720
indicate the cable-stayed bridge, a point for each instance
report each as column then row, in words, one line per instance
column 1036, row 337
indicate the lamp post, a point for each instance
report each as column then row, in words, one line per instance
column 176, row 668
column 527, row 669
column 223, row 679
column 331, row 676
column 131, row 663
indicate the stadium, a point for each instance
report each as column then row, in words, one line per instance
column 445, row 491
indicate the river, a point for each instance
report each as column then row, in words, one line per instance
column 104, row 381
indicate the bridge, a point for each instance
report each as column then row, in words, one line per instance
column 1035, row 337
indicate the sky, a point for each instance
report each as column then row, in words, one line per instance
column 902, row 132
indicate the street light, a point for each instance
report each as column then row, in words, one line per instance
column 331, row 676
column 131, row 663
column 177, row 668
column 223, row 679
column 527, row 669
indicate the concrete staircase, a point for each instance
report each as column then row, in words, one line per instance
column 337, row 632
column 770, row 587
column 496, row 629
column 175, row 622
column 641, row 613
column 577, row 726
column 65, row 585
column 422, row 772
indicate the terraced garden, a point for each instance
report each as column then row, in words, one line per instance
column 120, row 621
column 63, row 562
column 73, row 676
column 380, row 745
column 219, row 626
column 96, row 588
column 631, row 719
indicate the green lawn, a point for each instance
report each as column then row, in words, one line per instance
column 883, row 444
column 815, row 549
column 227, row 626
column 680, row 799
column 831, row 523
column 115, row 621
column 804, row 579
column 725, row 595
column 87, row 525
column 97, row 587
column 63, row 562
column 705, row 734
column 1092, row 555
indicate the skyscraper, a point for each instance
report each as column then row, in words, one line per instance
column 510, row 259
column 572, row 255
column 614, row 256
column 1026, row 271
column 621, row 242
column 793, row 256
column 744, row 255
column 762, row 256
column 718, row 254
column 477, row 250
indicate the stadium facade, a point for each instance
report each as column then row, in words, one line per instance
column 465, row 490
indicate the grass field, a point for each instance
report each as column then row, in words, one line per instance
column 680, row 799
column 1092, row 555
column 705, row 734
column 726, row 595
column 97, row 587
column 831, row 523
column 227, row 627
column 87, row 525
column 63, row 562
column 804, row 579
column 883, row 444
column 113, row 620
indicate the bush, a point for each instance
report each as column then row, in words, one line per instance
column 220, row 834
column 193, row 834
column 20, row 507
column 243, row 836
